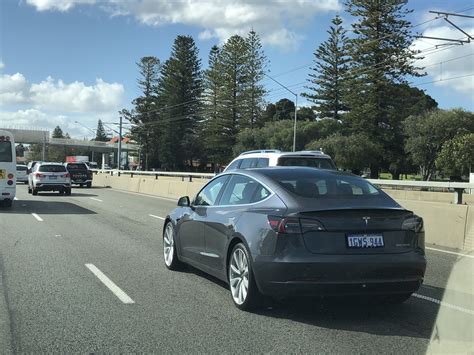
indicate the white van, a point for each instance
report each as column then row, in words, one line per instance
column 7, row 168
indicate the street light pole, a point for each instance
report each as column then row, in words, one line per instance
column 296, row 108
column 90, row 129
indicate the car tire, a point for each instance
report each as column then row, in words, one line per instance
column 34, row 191
column 89, row 185
column 8, row 202
column 68, row 191
column 29, row 189
column 170, row 255
column 240, row 273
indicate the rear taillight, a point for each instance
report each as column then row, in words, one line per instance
column 294, row 225
column 413, row 223
column 10, row 176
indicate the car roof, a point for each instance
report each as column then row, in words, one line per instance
column 303, row 170
column 49, row 163
column 265, row 153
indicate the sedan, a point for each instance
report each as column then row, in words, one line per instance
column 297, row 231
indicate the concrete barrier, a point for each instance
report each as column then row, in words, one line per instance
column 446, row 224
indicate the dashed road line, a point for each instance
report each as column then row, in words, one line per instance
column 451, row 252
column 157, row 217
column 96, row 199
column 444, row 304
column 38, row 218
column 117, row 291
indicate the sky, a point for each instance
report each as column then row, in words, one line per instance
column 72, row 62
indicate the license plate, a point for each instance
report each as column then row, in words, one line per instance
column 3, row 174
column 365, row 241
column 53, row 177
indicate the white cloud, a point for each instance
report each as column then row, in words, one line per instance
column 447, row 62
column 76, row 96
column 2, row 65
column 13, row 89
column 59, row 96
column 60, row 5
column 218, row 19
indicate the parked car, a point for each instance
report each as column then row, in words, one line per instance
column 21, row 173
column 49, row 177
column 297, row 231
column 80, row 174
column 266, row 158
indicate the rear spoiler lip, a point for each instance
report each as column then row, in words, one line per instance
column 401, row 209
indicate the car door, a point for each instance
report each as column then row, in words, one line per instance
column 240, row 193
column 191, row 229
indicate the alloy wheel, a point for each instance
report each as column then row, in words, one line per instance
column 239, row 276
column 168, row 245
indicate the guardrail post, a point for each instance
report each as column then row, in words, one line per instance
column 156, row 176
column 131, row 175
column 118, row 173
column 458, row 196
column 182, row 178
column 190, row 178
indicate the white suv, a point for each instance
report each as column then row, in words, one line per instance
column 265, row 158
column 49, row 177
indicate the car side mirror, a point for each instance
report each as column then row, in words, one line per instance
column 28, row 171
column 184, row 202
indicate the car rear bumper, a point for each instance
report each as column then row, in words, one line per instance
column 80, row 181
column 52, row 187
column 340, row 274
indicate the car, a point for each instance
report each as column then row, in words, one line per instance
column 49, row 177
column 294, row 231
column 31, row 165
column 271, row 157
column 80, row 174
column 21, row 173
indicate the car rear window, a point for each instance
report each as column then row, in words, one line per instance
column 5, row 151
column 312, row 162
column 21, row 168
column 325, row 185
column 77, row 166
column 51, row 169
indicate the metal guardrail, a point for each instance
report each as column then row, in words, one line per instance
column 458, row 187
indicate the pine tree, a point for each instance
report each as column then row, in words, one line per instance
column 179, row 91
column 255, row 66
column 100, row 135
column 329, row 72
column 145, row 113
column 381, row 57
column 57, row 132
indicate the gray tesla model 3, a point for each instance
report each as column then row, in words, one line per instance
column 297, row 231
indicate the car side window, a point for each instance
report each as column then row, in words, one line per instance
column 262, row 162
column 209, row 194
column 248, row 163
column 243, row 190
column 234, row 165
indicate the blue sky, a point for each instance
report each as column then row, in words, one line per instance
column 74, row 60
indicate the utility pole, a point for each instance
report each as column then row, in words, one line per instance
column 44, row 147
column 296, row 108
column 120, row 143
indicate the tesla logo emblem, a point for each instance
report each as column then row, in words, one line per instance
column 366, row 219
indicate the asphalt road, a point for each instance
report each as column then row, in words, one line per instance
column 52, row 301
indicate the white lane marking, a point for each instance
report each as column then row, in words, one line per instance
column 157, row 217
column 444, row 304
column 117, row 291
column 451, row 252
column 96, row 199
column 38, row 218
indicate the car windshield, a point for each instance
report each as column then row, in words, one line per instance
column 309, row 184
column 51, row 169
column 322, row 163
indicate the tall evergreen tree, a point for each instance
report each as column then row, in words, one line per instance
column 57, row 132
column 100, row 135
column 255, row 66
column 329, row 72
column 179, row 91
column 381, row 57
column 145, row 113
